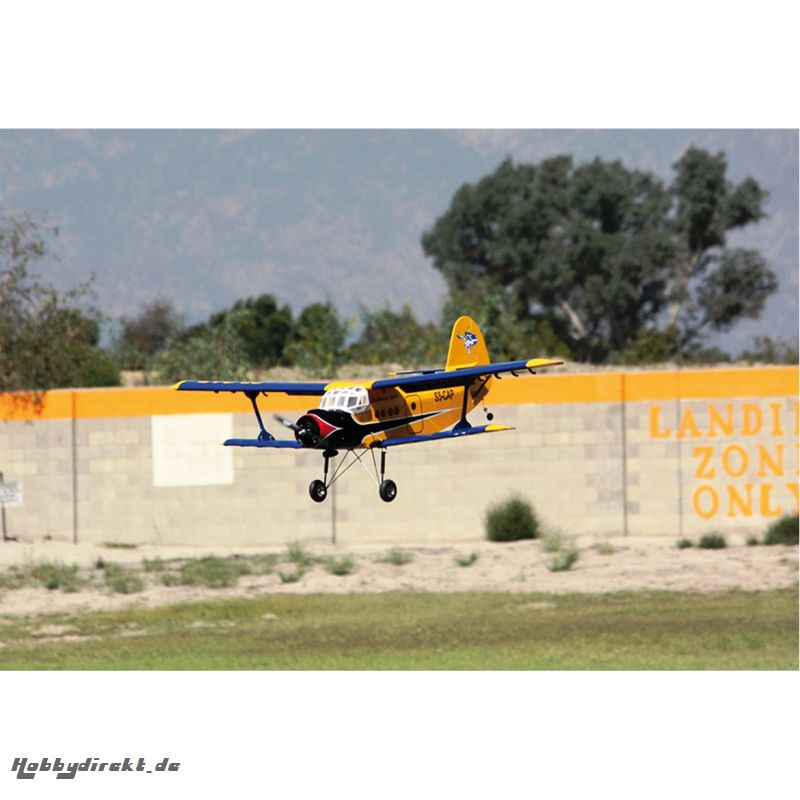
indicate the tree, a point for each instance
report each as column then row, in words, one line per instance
column 509, row 338
column 602, row 253
column 729, row 284
column 143, row 336
column 317, row 342
column 263, row 327
column 213, row 354
column 391, row 337
column 766, row 350
column 48, row 339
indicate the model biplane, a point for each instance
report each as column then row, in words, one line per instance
column 361, row 417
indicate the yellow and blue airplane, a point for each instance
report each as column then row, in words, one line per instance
column 403, row 408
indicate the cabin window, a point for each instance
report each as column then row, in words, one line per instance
column 353, row 399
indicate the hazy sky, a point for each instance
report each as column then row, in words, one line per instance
column 206, row 217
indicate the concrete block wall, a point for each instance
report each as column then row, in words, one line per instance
column 643, row 453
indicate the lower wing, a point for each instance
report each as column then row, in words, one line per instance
column 280, row 443
column 451, row 434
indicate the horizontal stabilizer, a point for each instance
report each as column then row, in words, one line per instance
column 281, row 443
column 451, row 434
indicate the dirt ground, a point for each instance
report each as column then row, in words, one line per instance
column 616, row 565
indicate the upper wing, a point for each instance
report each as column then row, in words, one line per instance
column 287, row 387
column 461, row 377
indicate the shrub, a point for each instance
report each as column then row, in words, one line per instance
column 340, row 566
column 397, row 557
column 563, row 560
column 684, row 543
column 511, row 520
column 712, row 541
column 153, row 564
column 783, row 530
column 466, row 561
column 752, row 541
column 604, row 548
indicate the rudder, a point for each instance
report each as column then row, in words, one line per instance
column 467, row 345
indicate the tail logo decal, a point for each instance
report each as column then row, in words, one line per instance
column 470, row 340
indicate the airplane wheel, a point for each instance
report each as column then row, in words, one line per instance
column 318, row 491
column 388, row 491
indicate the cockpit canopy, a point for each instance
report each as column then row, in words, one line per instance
column 353, row 399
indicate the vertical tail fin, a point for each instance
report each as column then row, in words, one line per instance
column 467, row 345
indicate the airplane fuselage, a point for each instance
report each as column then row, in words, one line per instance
column 392, row 413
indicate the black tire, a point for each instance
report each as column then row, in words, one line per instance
column 318, row 491
column 388, row 491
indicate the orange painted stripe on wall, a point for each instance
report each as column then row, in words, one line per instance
column 596, row 387
column 710, row 384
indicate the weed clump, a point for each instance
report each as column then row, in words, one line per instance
column 397, row 557
column 511, row 520
column 783, row 530
column 340, row 566
column 291, row 577
column 563, row 549
column 466, row 561
column 563, row 559
column 13, row 578
column 296, row 554
column 682, row 544
column 53, row 575
column 213, row 572
column 262, row 565
column 122, row 581
column 752, row 541
column 712, row 541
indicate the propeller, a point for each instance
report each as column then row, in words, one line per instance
column 307, row 433
column 287, row 422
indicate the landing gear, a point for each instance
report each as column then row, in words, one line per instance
column 318, row 491
column 387, row 491
column 387, row 488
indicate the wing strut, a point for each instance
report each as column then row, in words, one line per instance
column 264, row 435
column 462, row 424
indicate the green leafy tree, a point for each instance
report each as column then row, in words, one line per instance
column 508, row 337
column 144, row 335
column 263, row 327
column 602, row 253
column 766, row 350
column 397, row 337
column 214, row 354
column 48, row 339
column 317, row 343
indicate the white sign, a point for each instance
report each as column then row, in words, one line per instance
column 188, row 451
column 11, row 494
